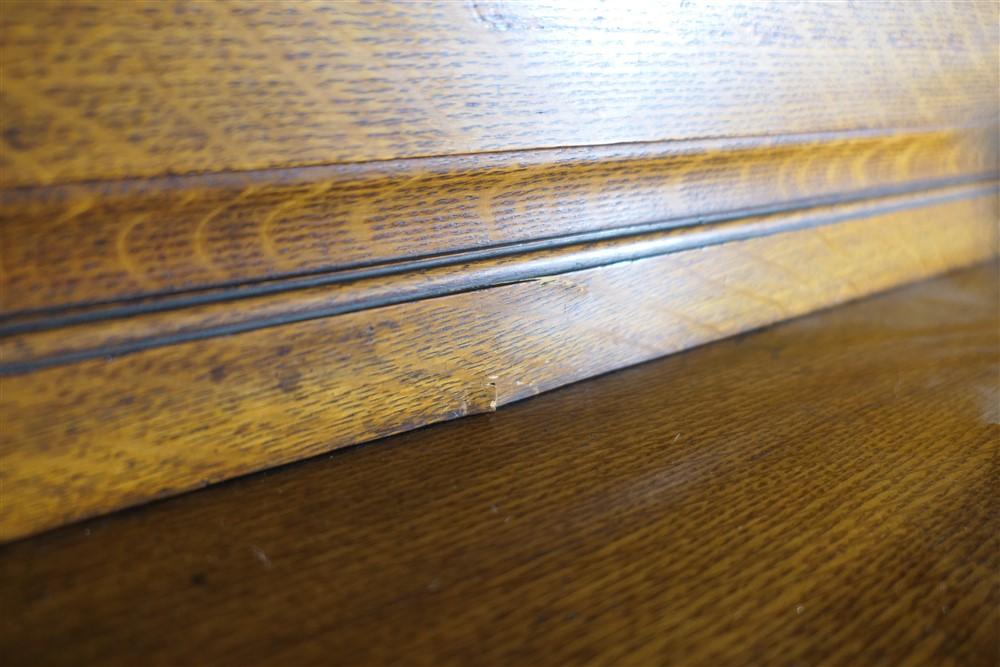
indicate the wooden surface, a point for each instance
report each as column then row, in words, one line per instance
column 32, row 342
column 151, row 147
column 236, row 234
column 96, row 435
column 101, row 90
column 98, row 242
column 822, row 492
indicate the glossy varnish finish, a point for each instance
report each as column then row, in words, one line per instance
column 823, row 492
column 314, row 136
column 104, row 241
column 237, row 234
column 103, row 89
column 64, row 336
column 93, row 436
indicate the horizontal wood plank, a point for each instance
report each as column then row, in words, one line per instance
column 100, row 89
column 98, row 242
column 97, row 435
column 31, row 343
column 235, row 234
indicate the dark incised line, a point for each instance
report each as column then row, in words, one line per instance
column 704, row 239
column 152, row 304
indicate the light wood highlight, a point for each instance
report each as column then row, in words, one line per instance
column 234, row 234
column 101, row 89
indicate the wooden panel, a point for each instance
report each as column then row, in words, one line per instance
column 32, row 342
column 162, row 420
column 106, row 89
column 821, row 493
column 234, row 234
column 98, row 242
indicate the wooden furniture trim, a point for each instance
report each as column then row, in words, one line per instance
column 77, row 245
column 236, row 234
column 29, row 344
column 159, row 421
column 823, row 492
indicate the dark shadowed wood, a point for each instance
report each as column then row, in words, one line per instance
column 824, row 492
column 93, row 436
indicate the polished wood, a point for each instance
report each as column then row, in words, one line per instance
column 96, row 435
column 106, row 241
column 32, row 342
column 822, row 492
column 152, row 147
column 236, row 234
column 101, row 89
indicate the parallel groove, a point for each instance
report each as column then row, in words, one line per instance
column 26, row 322
column 176, row 173
column 102, row 434
column 468, row 274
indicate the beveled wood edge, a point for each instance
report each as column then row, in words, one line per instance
column 27, row 194
column 32, row 344
column 170, row 419
column 114, row 248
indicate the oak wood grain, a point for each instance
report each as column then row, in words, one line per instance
column 822, row 492
column 32, row 342
column 97, row 435
column 199, row 184
column 104, row 89
column 97, row 242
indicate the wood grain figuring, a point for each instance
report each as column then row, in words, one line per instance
column 30, row 343
column 96, row 242
column 89, row 437
column 234, row 234
column 107, row 90
column 821, row 493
